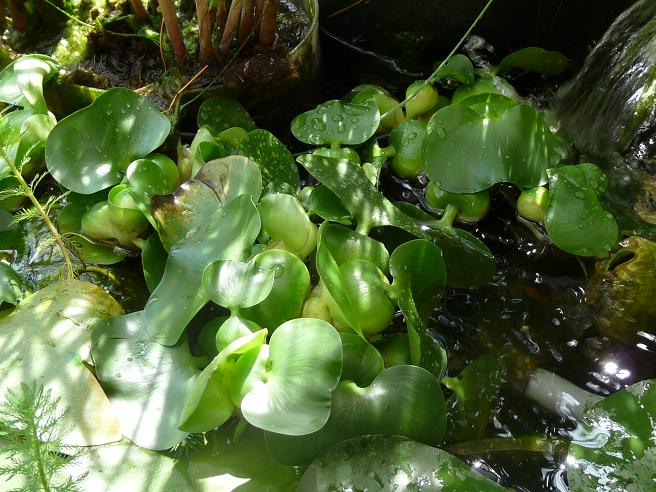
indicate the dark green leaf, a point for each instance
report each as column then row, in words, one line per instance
column 91, row 149
column 220, row 113
column 11, row 285
column 153, row 260
column 474, row 391
column 459, row 68
column 391, row 463
column 364, row 202
column 575, row 220
column 532, row 59
column 419, row 279
column 276, row 163
column 362, row 362
column 327, row 205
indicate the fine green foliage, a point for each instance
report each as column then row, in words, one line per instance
column 31, row 440
column 613, row 447
column 575, row 219
column 394, row 463
column 91, row 149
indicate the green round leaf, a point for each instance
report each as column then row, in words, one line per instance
column 153, row 175
column 146, row 382
column 337, row 122
column 346, row 244
column 465, row 152
column 491, row 85
column 11, row 285
column 391, row 463
column 326, row 205
column 123, row 210
column 575, row 220
column 402, row 400
column 407, row 138
column 231, row 177
column 91, row 149
column 236, row 284
column 291, row 284
column 221, row 112
column 613, row 448
column 304, row 366
column 532, row 59
column 276, row 163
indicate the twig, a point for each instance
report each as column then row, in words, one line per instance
column 102, row 271
column 184, row 88
column 161, row 44
column 344, row 9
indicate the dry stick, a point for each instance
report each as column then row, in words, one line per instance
column 230, row 27
column 173, row 30
column 139, row 10
column 161, row 44
column 184, row 88
column 204, row 32
column 344, row 9
column 268, row 25
column 247, row 21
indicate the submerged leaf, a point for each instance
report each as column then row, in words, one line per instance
column 391, row 463
column 613, row 446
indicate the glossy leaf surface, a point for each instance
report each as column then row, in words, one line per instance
column 337, row 122
column 402, row 400
column 575, row 219
column 466, row 152
column 276, row 163
column 146, row 382
column 91, row 149
column 220, row 113
column 391, row 463
column 304, row 365
column 533, row 59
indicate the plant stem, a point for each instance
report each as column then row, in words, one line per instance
column 231, row 25
column 268, row 24
column 70, row 273
column 139, row 10
column 247, row 21
column 449, row 215
column 205, row 26
column 173, row 30
column 431, row 79
column 39, row 456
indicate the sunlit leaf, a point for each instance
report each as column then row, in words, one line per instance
column 337, row 122
column 220, row 113
column 91, row 149
column 276, row 163
column 402, row 400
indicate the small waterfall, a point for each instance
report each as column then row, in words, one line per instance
column 609, row 111
column 609, row 108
